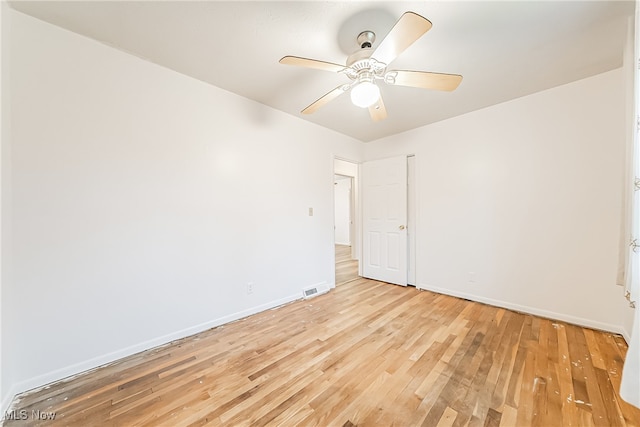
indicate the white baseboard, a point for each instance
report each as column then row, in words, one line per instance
column 617, row 329
column 626, row 335
column 40, row 381
column 7, row 400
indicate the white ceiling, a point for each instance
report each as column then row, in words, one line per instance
column 504, row 49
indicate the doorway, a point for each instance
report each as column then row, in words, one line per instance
column 346, row 215
column 343, row 209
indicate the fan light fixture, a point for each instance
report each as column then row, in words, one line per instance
column 365, row 94
column 367, row 65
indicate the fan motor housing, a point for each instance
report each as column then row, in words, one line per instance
column 360, row 62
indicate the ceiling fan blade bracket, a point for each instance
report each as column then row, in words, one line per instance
column 390, row 77
column 350, row 72
column 378, row 67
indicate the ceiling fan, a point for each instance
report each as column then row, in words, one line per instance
column 367, row 66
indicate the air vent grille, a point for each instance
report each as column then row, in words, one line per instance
column 315, row 290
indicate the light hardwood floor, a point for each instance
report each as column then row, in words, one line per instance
column 368, row 354
column 346, row 268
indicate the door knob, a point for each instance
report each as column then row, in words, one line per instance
column 401, row 227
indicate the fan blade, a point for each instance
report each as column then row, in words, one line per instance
column 407, row 30
column 378, row 111
column 312, row 63
column 424, row 79
column 326, row 99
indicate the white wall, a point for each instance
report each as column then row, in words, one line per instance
column 527, row 196
column 143, row 203
column 342, row 200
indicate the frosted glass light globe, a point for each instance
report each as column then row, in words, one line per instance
column 365, row 94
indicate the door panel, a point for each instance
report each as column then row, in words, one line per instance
column 384, row 212
column 374, row 249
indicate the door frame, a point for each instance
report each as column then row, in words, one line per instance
column 412, row 220
column 356, row 242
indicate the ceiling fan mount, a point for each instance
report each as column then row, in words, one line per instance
column 366, row 38
column 367, row 65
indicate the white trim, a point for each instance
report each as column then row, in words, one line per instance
column 6, row 402
column 412, row 196
column 65, row 373
column 530, row 310
column 626, row 335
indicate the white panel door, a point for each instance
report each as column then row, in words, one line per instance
column 384, row 214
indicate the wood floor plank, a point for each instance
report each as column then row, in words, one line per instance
column 448, row 418
column 365, row 354
column 493, row 418
column 554, row 396
column 346, row 267
column 567, row 393
column 509, row 417
column 527, row 391
column 504, row 360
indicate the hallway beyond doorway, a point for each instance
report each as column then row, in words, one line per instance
column 346, row 267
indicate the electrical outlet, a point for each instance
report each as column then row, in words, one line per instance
column 249, row 288
column 472, row 277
